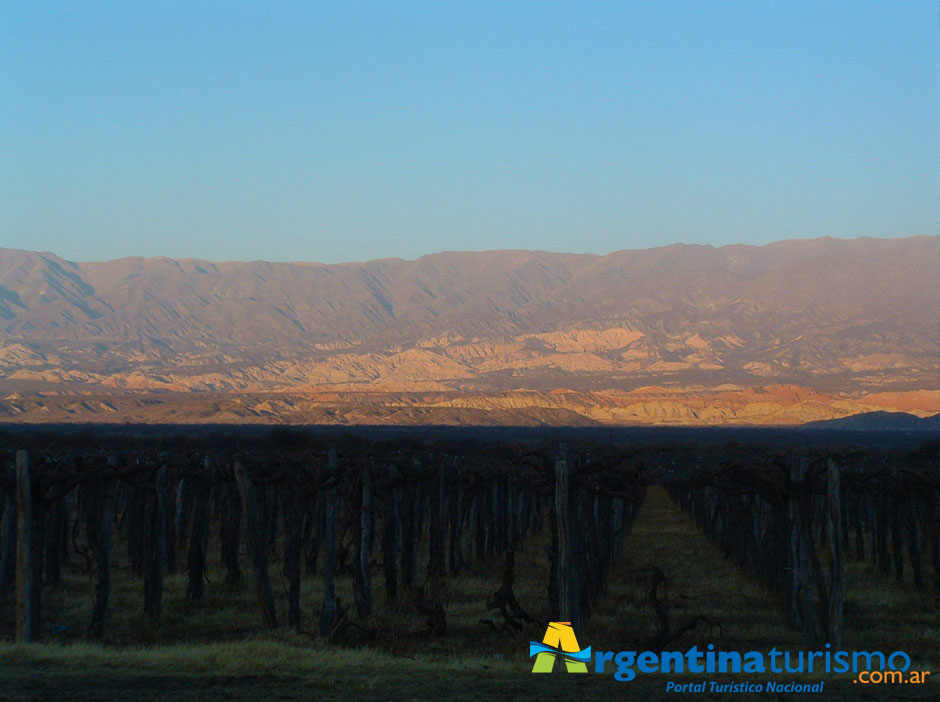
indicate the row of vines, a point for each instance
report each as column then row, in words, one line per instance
column 356, row 509
column 415, row 514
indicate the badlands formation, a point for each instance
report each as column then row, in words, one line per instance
column 781, row 334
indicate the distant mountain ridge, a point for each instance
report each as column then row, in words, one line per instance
column 881, row 421
column 846, row 317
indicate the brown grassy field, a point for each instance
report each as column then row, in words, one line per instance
column 213, row 649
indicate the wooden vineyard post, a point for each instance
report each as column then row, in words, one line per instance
column 566, row 568
column 170, row 539
column 435, row 572
column 478, row 533
column 409, row 536
column 836, row 567
column 365, row 543
column 196, row 561
column 933, row 530
column 134, row 520
column 525, row 506
column 848, row 523
column 804, row 529
column 791, row 521
column 231, row 526
column 496, row 520
column 155, row 564
column 618, row 527
column 312, row 529
column 554, row 601
column 294, row 507
column 897, row 533
column 881, row 528
column 25, row 571
column 328, row 615
column 259, row 551
column 56, row 530
column 421, row 504
column 270, row 518
column 184, row 502
column 508, row 510
column 456, row 511
column 162, row 529
column 391, row 535
column 507, row 513
column 8, row 548
column 868, row 520
column 538, row 517
column 602, row 521
column 98, row 506
column 471, row 523
column 855, row 506
column 578, row 561
column 913, row 546
column 801, row 606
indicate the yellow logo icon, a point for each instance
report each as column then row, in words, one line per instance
column 559, row 640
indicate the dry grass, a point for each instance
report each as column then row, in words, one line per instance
column 256, row 656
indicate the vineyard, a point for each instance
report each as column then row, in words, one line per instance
column 351, row 542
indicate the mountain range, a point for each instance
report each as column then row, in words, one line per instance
column 784, row 333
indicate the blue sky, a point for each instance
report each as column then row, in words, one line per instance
column 355, row 130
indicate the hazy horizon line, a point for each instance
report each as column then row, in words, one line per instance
column 479, row 251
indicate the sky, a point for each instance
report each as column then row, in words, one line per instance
column 358, row 130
